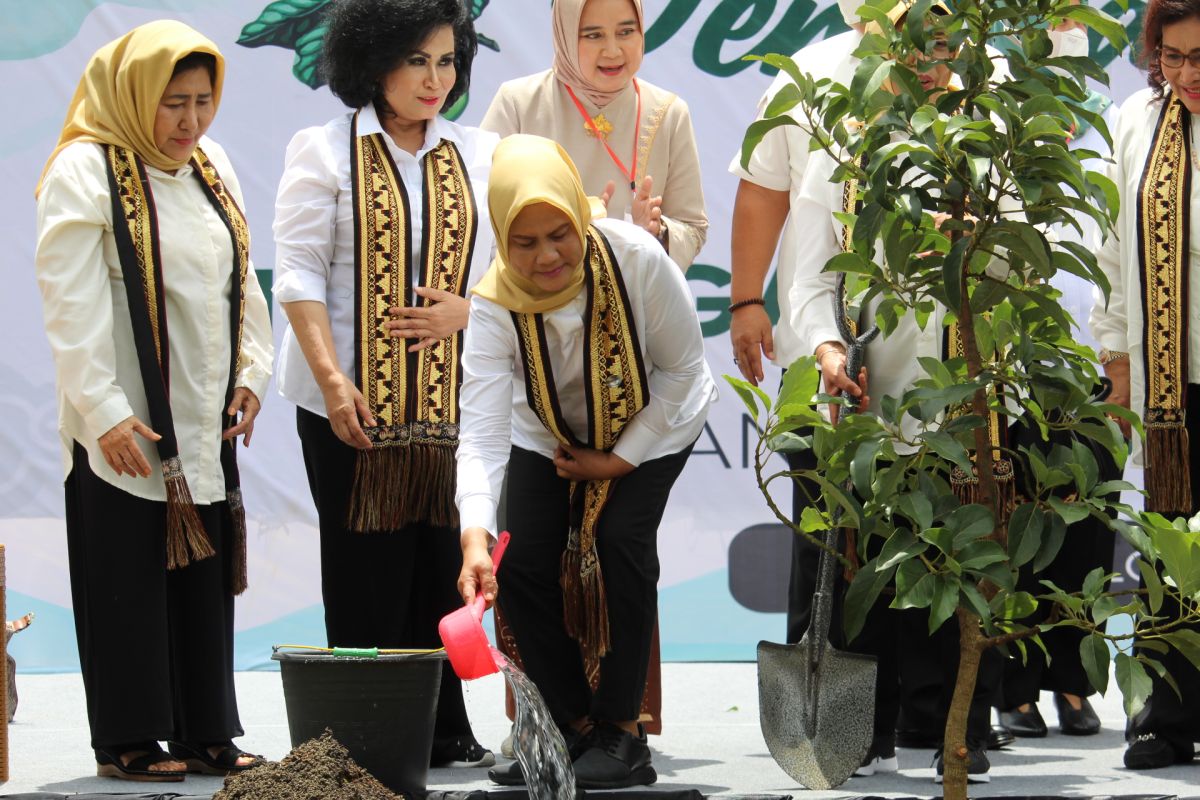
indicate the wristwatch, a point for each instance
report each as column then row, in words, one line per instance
column 1107, row 356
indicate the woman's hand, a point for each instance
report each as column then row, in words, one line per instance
column 121, row 451
column 832, row 357
column 1117, row 371
column 477, row 573
column 585, row 464
column 647, row 211
column 444, row 317
column 247, row 403
column 345, row 407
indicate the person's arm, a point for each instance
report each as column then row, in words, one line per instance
column 759, row 215
column 305, row 215
column 681, row 386
column 682, row 191
column 73, row 215
column 1108, row 320
column 485, row 439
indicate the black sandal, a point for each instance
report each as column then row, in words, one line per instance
column 224, row 763
column 109, row 764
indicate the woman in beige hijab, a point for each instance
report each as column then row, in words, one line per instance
column 623, row 132
column 162, row 347
column 584, row 376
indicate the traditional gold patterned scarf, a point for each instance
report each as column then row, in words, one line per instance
column 141, row 266
column 1163, row 210
column 616, row 389
column 408, row 474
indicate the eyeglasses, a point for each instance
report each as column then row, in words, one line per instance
column 1173, row 59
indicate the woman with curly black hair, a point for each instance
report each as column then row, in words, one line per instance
column 380, row 231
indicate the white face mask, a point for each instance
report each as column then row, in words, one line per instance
column 1069, row 43
column 850, row 9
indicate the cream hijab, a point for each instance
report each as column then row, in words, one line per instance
column 117, row 98
column 527, row 170
column 566, row 49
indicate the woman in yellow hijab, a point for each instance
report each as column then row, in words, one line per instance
column 162, row 348
column 584, row 374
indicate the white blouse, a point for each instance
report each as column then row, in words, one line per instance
column 314, row 230
column 496, row 414
column 87, row 316
column 1117, row 325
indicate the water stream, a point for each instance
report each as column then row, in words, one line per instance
column 537, row 741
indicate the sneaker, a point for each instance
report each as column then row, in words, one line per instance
column 978, row 765
column 1148, row 751
column 462, row 751
column 510, row 774
column 614, row 759
column 880, row 758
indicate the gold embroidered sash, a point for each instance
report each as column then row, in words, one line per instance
column 616, row 389
column 135, row 228
column 408, row 474
column 1164, row 202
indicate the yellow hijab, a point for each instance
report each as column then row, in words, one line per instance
column 527, row 170
column 117, row 98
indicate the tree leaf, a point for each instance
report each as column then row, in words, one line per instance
column 1154, row 586
column 1134, row 683
column 1094, row 653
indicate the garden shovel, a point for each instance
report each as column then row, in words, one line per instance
column 817, row 703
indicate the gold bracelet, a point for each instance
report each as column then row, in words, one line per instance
column 825, row 347
column 1108, row 356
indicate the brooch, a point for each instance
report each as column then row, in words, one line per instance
column 599, row 125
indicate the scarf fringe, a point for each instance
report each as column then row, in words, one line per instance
column 585, row 601
column 185, row 531
column 399, row 486
column 1168, row 477
column 966, row 489
column 237, row 515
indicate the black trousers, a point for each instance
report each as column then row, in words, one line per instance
column 916, row 672
column 532, row 601
column 155, row 646
column 386, row 589
column 1165, row 713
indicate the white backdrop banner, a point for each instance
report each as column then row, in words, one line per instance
column 724, row 561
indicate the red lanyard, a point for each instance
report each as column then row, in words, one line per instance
column 630, row 173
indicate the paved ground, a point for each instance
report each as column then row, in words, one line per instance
column 711, row 741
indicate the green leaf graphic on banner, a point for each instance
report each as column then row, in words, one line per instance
column 299, row 25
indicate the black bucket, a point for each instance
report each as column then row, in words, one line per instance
column 379, row 708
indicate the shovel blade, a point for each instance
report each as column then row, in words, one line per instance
column 817, row 744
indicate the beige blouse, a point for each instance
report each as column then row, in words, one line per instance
column 666, row 147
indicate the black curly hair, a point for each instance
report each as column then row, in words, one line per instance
column 367, row 39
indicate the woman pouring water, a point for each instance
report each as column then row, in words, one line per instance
column 584, row 372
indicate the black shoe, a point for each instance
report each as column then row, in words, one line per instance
column 461, row 751
column 510, row 774
column 507, row 774
column 880, row 758
column 1149, row 751
column 1026, row 724
column 978, row 765
column 999, row 737
column 1083, row 722
column 614, row 759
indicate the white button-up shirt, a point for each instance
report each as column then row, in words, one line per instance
column 496, row 413
column 314, row 230
column 87, row 316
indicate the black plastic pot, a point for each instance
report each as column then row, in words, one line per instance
column 381, row 709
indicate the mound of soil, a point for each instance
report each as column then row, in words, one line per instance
column 319, row 769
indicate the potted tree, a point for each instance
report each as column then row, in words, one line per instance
column 945, row 517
